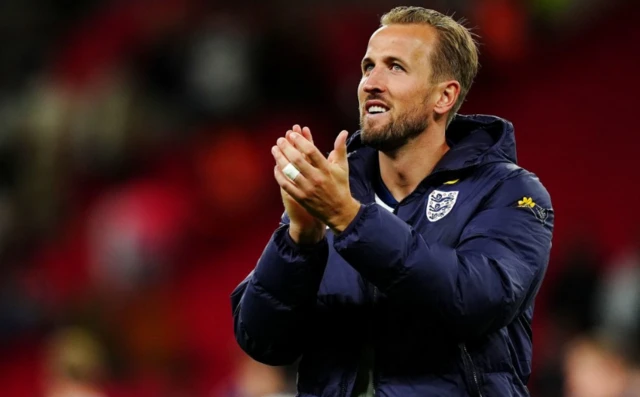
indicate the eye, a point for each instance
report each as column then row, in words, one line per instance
column 396, row 67
column 367, row 67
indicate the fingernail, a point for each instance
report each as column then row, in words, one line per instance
column 280, row 141
column 294, row 135
column 273, row 150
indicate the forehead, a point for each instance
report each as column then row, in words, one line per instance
column 408, row 41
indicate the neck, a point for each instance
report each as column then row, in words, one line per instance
column 403, row 169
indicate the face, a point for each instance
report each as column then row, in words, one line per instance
column 396, row 94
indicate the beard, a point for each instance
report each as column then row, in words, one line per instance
column 395, row 133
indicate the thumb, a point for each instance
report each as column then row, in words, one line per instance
column 339, row 153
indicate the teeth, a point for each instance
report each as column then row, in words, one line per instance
column 377, row 109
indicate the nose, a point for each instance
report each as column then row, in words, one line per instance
column 374, row 81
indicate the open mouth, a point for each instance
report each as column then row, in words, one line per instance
column 377, row 109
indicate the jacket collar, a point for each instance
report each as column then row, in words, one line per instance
column 474, row 140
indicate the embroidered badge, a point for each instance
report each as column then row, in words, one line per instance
column 540, row 213
column 440, row 204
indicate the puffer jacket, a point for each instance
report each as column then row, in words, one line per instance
column 438, row 290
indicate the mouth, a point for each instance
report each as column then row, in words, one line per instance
column 374, row 108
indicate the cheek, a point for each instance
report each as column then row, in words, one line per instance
column 420, row 98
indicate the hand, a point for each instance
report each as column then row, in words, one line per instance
column 322, row 187
column 304, row 228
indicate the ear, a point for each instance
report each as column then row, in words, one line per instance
column 449, row 91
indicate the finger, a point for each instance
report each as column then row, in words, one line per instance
column 282, row 161
column 339, row 153
column 286, row 184
column 308, row 149
column 306, row 132
column 340, row 145
column 298, row 159
column 287, row 134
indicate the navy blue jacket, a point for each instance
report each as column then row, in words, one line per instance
column 441, row 290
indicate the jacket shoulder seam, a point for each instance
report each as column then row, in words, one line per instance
column 508, row 176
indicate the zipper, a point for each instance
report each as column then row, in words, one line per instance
column 376, row 379
column 468, row 362
column 343, row 384
column 374, row 373
column 345, row 375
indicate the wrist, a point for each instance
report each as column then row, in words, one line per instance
column 345, row 217
column 306, row 235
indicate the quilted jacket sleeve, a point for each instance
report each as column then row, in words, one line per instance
column 480, row 285
column 271, row 305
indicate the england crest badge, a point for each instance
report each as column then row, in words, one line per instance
column 440, row 204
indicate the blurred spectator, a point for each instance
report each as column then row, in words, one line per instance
column 571, row 308
column 618, row 329
column 593, row 371
column 606, row 362
column 75, row 365
column 618, row 310
column 253, row 379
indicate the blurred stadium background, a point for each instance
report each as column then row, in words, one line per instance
column 136, row 188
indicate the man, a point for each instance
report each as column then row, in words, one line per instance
column 407, row 262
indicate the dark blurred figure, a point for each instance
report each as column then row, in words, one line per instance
column 570, row 304
column 593, row 336
column 606, row 363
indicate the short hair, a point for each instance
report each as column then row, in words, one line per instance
column 456, row 52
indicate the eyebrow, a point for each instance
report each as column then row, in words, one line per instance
column 365, row 60
column 387, row 59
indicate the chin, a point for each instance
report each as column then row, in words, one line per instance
column 374, row 129
column 378, row 138
column 371, row 134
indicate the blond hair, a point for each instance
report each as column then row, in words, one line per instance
column 456, row 52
